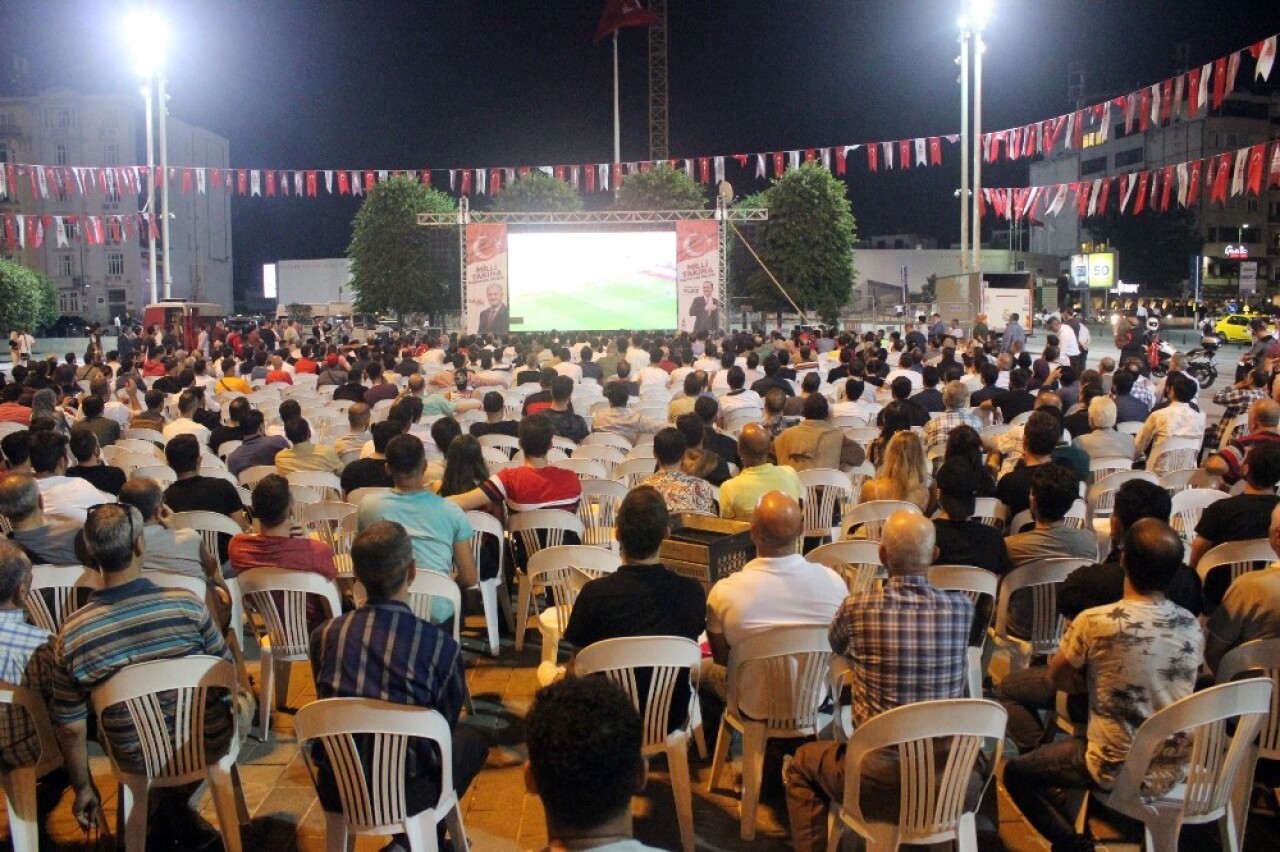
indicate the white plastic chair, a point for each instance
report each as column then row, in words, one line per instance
column 374, row 799
column 990, row 512
column 741, row 417
column 791, row 664
column 507, row 444
column 598, row 511
column 1040, row 580
column 934, row 805
column 251, row 476
column 226, row 448
column 606, row 439
column 858, row 562
column 161, row 473
column 825, row 491
column 1188, row 505
column 563, row 570
column 493, row 592
column 867, row 519
column 1261, row 658
column 1174, row 454
column 62, row 582
column 858, row 476
column 217, row 473
column 585, row 468
column 1231, row 428
column 126, row 460
column 174, row 757
column 145, row 446
column 327, row 485
column 537, row 529
column 1077, row 517
column 1222, row 762
column 668, row 658
column 977, row 584
column 632, row 472
column 325, row 518
column 609, row 457
column 1102, row 493
column 1237, row 557
column 20, row 784
column 300, row 497
column 1129, row 427
column 285, row 637
column 1105, row 465
column 1179, row 480
column 1021, row 419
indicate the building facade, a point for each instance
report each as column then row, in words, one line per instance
column 101, row 283
column 1246, row 228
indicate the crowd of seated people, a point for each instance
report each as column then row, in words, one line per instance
column 426, row 431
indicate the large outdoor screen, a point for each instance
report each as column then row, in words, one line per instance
column 592, row 280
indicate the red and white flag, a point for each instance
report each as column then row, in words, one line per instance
column 1206, row 78
column 1193, row 182
column 935, row 151
column 1237, row 174
column 1233, row 68
column 1059, row 200
column 1273, row 170
column 1253, row 176
column 1265, row 52
column 922, row 153
column 623, row 13
column 1179, row 85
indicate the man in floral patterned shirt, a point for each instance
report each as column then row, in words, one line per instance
column 681, row 491
column 1133, row 658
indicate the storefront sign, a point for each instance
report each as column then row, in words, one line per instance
column 1235, row 252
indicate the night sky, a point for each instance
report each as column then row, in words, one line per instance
column 477, row 83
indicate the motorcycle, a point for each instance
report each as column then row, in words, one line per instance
column 1202, row 363
column 1159, row 351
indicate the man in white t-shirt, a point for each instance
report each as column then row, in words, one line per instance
column 63, row 498
column 566, row 367
column 185, row 424
column 636, row 356
column 778, row 587
column 1068, row 344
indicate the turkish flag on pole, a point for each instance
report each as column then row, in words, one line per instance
column 1253, row 180
column 1219, row 81
column 1141, row 200
column 1193, row 183
column 935, row 151
column 623, row 13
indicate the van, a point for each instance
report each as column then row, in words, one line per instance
column 187, row 316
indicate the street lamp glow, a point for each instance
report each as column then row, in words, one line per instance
column 980, row 11
column 963, row 23
column 148, row 36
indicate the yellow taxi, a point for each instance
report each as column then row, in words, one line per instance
column 1234, row 328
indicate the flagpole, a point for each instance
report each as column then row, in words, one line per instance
column 617, row 121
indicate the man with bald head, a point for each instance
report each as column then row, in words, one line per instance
column 1263, row 427
column 739, row 495
column 778, row 587
column 906, row 642
column 1133, row 659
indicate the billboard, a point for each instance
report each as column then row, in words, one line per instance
column 1095, row 271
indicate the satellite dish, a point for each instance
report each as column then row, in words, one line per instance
column 726, row 190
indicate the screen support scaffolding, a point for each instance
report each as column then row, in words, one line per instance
column 722, row 213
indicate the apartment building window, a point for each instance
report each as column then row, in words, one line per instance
column 1128, row 158
column 111, row 155
column 64, row 265
column 69, row 231
column 69, row 303
column 115, row 264
column 60, row 155
column 60, row 118
column 7, row 122
column 1092, row 167
column 113, row 193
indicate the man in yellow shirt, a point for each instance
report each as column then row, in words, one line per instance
column 739, row 495
column 304, row 455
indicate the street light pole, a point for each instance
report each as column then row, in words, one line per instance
column 964, row 144
column 151, row 194
column 164, row 187
column 977, row 145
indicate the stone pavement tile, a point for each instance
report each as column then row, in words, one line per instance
column 497, row 789
column 493, row 831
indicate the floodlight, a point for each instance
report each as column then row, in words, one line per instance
column 148, row 36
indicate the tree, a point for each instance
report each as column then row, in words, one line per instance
column 807, row 243
column 537, row 192
column 27, row 300
column 398, row 265
column 1154, row 248
column 661, row 188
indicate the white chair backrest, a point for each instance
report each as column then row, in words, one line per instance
column 286, row 623
column 1177, row 480
column 182, row 582
column 1020, row 419
column 1129, row 427
column 642, row 451
column 151, row 435
column 1102, row 494
column 634, row 471
column 226, row 448
column 54, row 593
column 1259, row 658
column 1232, row 427
column 934, row 804
column 667, row 658
column 1188, row 505
column 357, row 495
column 507, row 444
column 1217, row 754
column 1104, row 465
column 373, row 795
column 543, row 528
column 251, row 476
column 793, row 662
column 584, row 468
column 1041, row 580
column 209, row 524
column 860, row 475
column 427, row 586
column 1237, row 557
column 858, row 562
column 606, row 439
column 1173, row 454
column 825, row 491
column 483, row 524
column 974, row 582
column 565, row 569
column 598, row 510
column 868, row 518
column 991, row 512
column 170, row 751
column 325, row 518
column 327, row 485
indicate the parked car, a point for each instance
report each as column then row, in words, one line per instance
column 66, row 326
column 1234, row 328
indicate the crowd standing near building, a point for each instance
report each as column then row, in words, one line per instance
column 979, row 452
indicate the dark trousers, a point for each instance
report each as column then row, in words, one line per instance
column 1026, row 694
column 1039, row 783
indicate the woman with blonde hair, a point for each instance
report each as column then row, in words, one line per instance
column 903, row 476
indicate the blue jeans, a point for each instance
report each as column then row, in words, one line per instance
column 1038, row 782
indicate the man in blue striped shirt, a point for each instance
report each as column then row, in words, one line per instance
column 19, row 642
column 383, row 651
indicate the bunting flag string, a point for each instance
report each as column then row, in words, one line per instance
column 1247, row 171
column 1184, row 95
column 42, row 182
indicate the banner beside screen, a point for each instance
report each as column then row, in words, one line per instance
column 698, row 276
column 488, row 310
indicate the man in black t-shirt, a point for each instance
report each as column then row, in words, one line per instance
column 493, row 424
column 960, row 539
column 195, row 493
column 372, row 472
column 89, row 465
column 1017, row 400
column 1239, row 518
column 233, row 432
column 642, row 598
